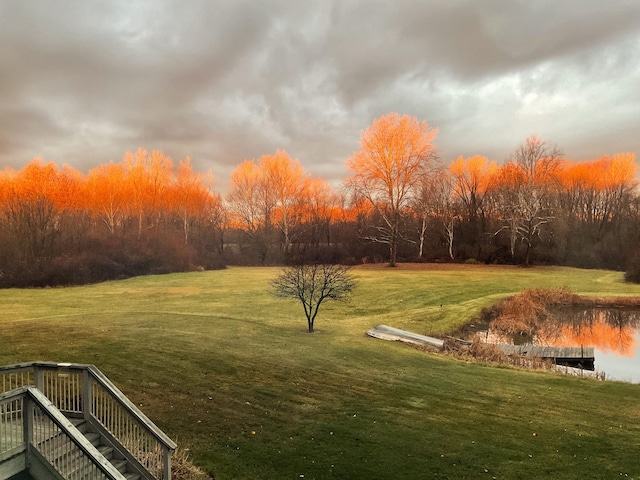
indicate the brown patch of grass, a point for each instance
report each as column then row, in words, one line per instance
column 480, row 351
column 183, row 469
column 523, row 312
column 487, row 352
column 490, row 353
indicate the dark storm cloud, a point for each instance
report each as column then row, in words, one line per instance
column 223, row 81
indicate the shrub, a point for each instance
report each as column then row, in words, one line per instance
column 633, row 269
column 521, row 313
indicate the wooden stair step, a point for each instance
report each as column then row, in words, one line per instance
column 106, row 451
column 93, row 437
column 120, row 464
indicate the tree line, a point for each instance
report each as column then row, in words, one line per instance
column 399, row 202
column 141, row 215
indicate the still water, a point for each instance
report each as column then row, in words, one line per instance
column 613, row 332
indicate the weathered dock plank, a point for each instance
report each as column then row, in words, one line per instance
column 582, row 357
column 547, row 352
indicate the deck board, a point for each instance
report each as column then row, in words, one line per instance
column 548, row 352
column 579, row 357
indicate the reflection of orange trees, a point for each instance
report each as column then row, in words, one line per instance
column 620, row 340
column 528, row 315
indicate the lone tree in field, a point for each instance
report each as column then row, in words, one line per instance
column 396, row 152
column 312, row 284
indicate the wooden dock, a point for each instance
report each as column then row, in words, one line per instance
column 581, row 357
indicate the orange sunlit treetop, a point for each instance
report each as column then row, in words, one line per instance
column 618, row 340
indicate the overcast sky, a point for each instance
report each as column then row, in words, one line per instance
column 82, row 82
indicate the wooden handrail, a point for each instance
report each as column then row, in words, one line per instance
column 162, row 437
column 104, row 381
column 93, row 382
column 65, row 426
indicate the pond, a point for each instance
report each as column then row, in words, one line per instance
column 614, row 333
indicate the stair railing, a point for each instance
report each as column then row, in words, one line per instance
column 84, row 391
column 31, row 426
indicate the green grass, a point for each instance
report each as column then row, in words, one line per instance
column 228, row 371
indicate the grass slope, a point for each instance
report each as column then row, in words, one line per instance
column 227, row 370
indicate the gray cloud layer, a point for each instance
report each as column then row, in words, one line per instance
column 222, row 81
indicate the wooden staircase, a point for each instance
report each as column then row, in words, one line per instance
column 105, row 448
column 68, row 421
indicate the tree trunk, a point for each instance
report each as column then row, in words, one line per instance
column 185, row 228
column 393, row 246
column 513, row 237
column 139, row 225
column 423, row 230
column 393, row 253
column 527, row 255
column 450, row 238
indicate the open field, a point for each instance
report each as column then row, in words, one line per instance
column 227, row 370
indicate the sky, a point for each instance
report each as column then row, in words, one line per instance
column 82, row 82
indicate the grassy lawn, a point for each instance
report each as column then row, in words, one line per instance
column 228, row 371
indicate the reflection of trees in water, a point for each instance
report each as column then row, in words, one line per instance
column 558, row 317
column 608, row 329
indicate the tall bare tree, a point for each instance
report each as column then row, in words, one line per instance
column 436, row 201
column 472, row 180
column 526, row 190
column 395, row 153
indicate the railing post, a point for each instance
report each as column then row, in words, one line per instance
column 38, row 378
column 86, row 394
column 27, row 427
column 166, row 460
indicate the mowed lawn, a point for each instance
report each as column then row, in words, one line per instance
column 228, row 371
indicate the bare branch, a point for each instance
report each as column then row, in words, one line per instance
column 312, row 284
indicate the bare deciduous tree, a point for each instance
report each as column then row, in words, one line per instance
column 525, row 192
column 395, row 153
column 312, row 284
